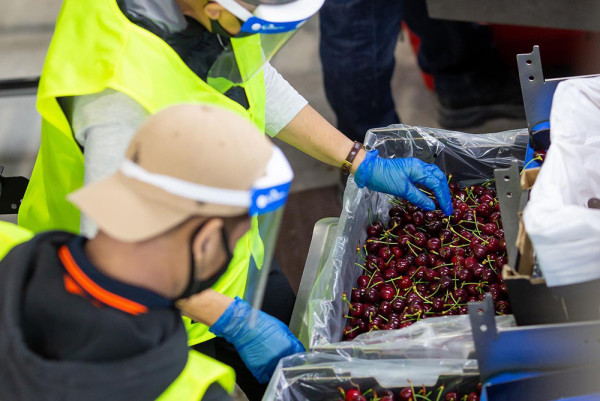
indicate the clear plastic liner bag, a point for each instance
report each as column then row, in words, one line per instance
column 564, row 231
column 470, row 158
column 316, row 376
column 447, row 337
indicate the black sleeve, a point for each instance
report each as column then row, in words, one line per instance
column 216, row 393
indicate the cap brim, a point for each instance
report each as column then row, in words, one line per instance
column 290, row 12
column 125, row 214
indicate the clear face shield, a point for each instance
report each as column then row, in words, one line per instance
column 264, row 201
column 268, row 198
column 263, row 33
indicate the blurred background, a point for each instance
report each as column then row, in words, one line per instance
column 26, row 28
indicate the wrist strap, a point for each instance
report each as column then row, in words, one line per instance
column 347, row 164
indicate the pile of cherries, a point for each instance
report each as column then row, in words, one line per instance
column 425, row 264
column 411, row 394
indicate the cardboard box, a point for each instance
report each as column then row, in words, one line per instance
column 531, row 300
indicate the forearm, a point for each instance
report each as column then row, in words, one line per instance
column 205, row 307
column 312, row 134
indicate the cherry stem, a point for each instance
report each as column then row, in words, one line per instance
column 435, row 292
column 372, row 241
column 359, row 253
column 411, row 248
column 476, row 223
column 397, row 293
column 472, row 231
column 455, row 301
column 537, row 158
column 412, row 389
column 425, row 192
column 440, row 393
column 369, row 285
column 450, row 243
column 362, row 267
column 447, row 225
column 419, row 295
column 345, row 299
column 455, row 232
column 409, row 234
column 414, row 246
column 383, row 317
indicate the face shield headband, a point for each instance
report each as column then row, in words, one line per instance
column 259, row 21
column 267, row 194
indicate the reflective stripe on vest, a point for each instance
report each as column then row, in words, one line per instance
column 96, row 47
column 199, row 373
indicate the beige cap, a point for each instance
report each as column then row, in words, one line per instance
column 214, row 154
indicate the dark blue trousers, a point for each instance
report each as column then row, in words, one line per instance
column 358, row 38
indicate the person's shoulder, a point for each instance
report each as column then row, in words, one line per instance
column 52, row 239
column 216, row 393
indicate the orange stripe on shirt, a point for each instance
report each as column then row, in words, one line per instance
column 72, row 287
column 106, row 297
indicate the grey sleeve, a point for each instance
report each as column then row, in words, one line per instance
column 283, row 102
column 103, row 125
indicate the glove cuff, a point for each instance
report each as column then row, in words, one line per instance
column 222, row 325
column 364, row 171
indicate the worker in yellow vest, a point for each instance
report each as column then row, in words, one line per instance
column 95, row 319
column 112, row 63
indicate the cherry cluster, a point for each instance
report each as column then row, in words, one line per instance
column 425, row 264
column 411, row 394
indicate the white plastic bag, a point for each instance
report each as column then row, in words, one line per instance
column 469, row 158
column 315, row 376
column 565, row 233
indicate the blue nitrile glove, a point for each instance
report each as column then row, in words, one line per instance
column 399, row 176
column 260, row 347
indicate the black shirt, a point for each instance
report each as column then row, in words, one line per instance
column 77, row 313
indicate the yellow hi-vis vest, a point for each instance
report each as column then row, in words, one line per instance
column 10, row 236
column 96, row 47
column 199, row 373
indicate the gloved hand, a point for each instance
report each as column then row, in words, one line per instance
column 260, row 347
column 399, row 176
